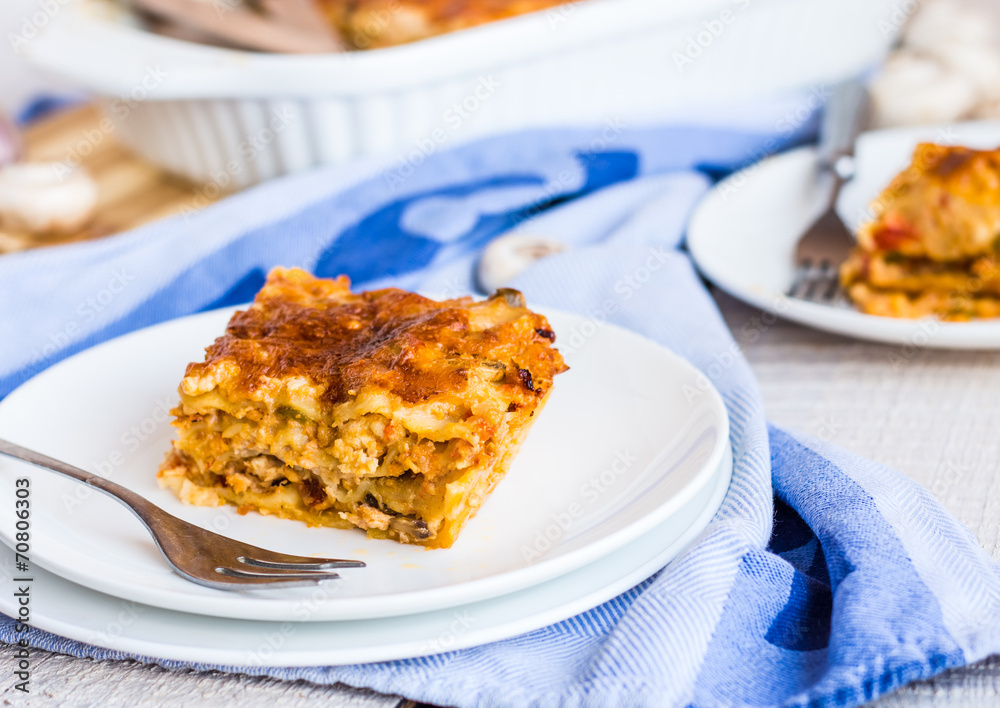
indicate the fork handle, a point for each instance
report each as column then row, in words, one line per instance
column 845, row 116
column 137, row 504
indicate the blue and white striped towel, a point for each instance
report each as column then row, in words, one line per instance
column 865, row 583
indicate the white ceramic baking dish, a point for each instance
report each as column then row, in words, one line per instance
column 235, row 118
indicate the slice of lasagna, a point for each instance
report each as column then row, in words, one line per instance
column 932, row 249
column 371, row 24
column 382, row 410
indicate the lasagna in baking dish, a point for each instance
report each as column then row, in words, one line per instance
column 371, row 24
column 933, row 248
column 384, row 410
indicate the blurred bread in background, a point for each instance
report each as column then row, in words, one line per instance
column 946, row 67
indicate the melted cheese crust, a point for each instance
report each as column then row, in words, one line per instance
column 372, row 24
column 384, row 410
column 932, row 250
column 945, row 206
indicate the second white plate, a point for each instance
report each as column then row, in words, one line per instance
column 72, row 611
column 743, row 234
column 623, row 446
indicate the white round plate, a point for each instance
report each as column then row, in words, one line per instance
column 743, row 234
column 72, row 611
column 621, row 447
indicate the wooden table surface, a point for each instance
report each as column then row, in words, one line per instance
column 130, row 191
column 931, row 414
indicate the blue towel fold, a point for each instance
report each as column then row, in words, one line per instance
column 824, row 580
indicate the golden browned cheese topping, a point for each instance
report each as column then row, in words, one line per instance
column 400, row 342
column 945, row 206
column 933, row 248
column 381, row 23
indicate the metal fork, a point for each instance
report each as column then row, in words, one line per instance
column 827, row 242
column 200, row 556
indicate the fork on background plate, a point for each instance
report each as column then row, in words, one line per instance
column 198, row 555
column 827, row 242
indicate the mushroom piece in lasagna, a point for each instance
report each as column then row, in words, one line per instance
column 384, row 410
column 932, row 249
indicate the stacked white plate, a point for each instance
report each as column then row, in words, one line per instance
column 626, row 466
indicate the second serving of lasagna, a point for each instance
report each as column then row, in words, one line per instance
column 373, row 24
column 384, row 410
column 932, row 249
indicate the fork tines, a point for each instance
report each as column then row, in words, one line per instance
column 304, row 564
column 285, row 570
column 817, row 282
